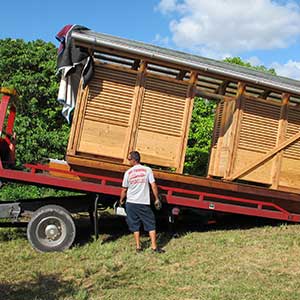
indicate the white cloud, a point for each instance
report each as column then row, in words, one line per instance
column 232, row 26
column 166, row 6
column 254, row 61
column 291, row 69
column 161, row 40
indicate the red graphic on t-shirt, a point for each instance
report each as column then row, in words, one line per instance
column 137, row 176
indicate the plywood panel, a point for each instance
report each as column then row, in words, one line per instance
column 158, row 149
column 261, row 174
column 102, row 139
column 290, row 173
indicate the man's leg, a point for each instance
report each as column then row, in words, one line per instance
column 137, row 239
column 152, row 235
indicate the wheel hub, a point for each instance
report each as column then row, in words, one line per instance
column 52, row 232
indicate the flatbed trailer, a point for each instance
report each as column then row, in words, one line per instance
column 51, row 226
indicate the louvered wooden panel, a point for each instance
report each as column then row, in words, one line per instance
column 293, row 151
column 163, row 107
column 259, row 126
column 110, row 96
column 107, row 112
column 160, row 135
column 218, row 122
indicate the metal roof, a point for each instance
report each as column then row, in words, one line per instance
column 189, row 61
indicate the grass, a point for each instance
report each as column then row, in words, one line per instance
column 250, row 261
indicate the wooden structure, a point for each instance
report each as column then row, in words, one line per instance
column 142, row 96
column 257, row 140
column 133, row 104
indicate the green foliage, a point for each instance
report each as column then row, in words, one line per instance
column 42, row 132
column 200, row 137
column 240, row 62
column 30, row 67
column 13, row 191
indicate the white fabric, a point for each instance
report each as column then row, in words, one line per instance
column 68, row 91
column 137, row 180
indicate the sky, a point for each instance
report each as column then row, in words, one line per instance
column 262, row 32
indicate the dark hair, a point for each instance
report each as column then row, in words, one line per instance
column 135, row 155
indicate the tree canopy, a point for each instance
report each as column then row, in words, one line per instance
column 30, row 68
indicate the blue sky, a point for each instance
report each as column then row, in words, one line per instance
column 265, row 32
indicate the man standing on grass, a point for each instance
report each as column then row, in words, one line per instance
column 135, row 188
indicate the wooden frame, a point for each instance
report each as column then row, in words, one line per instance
column 251, row 141
column 256, row 128
column 124, row 109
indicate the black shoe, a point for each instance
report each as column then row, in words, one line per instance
column 139, row 250
column 158, row 250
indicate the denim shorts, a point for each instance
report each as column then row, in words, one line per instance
column 138, row 214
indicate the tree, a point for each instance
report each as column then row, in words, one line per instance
column 200, row 134
column 30, row 67
column 42, row 132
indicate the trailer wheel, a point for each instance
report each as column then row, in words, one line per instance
column 51, row 228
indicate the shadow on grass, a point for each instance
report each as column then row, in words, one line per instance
column 112, row 227
column 220, row 222
column 44, row 287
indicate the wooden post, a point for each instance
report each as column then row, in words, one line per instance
column 281, row 136
column 77, row 119
column 235, row 129
column 187, row 119
column 135, row 110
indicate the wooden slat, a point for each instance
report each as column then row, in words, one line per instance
column 110, row 97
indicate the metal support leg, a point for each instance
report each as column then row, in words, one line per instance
column 96, row 218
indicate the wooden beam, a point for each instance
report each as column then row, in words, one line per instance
column 187, row 119
column 211, row 96
column 221, row 90
column 136, row 64
column 235, row 129
column 181, row 74
column 265, row 94
column 281, row 136
column 135, row 110
column 265, row 157
column 93, row 165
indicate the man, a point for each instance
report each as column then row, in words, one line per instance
column 135, row 188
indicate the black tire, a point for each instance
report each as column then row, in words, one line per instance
column 51, row 228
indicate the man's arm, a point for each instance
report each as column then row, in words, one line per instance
column 123, row 195
column 154, row 190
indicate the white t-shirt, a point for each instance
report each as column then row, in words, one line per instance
column 137, row 180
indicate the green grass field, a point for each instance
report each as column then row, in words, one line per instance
column 223, row 261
